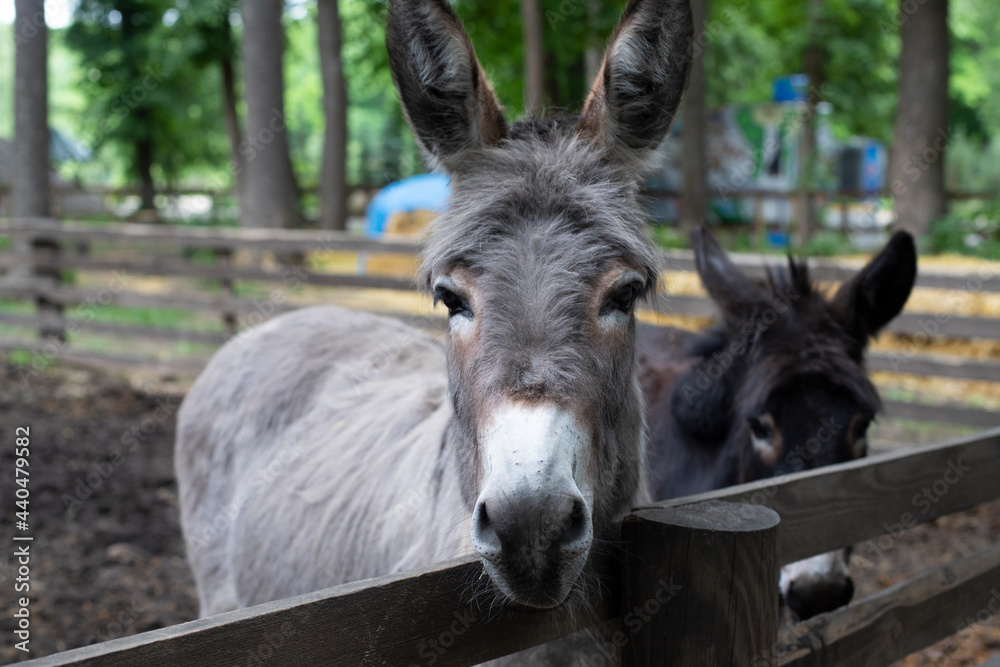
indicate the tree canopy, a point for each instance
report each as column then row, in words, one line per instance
column 135, row 79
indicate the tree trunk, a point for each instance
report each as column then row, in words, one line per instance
column 271, row 198
column 534, row 65
column 144, row 167
column 815, row 71
column 31, row 188
column 333, row 178
column 233, row 128
column 921, row 134
column 694, row 197
column 30, row 192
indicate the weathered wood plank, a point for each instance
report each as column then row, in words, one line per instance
column 415, row 617
column 66, row 295
column 950, row 414
column 64, row 352
column 900, row 620
column 925, row 324
column 836, row 270
column 754, row 265
column 936, row 365
column 839, row 505
column 159, row 333
column 700, row 585
column 276, row 240
column 160, row 266
column 932, row 326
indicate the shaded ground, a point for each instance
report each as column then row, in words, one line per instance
column 112, row 564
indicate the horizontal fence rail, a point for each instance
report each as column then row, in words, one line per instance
column 685, row 541
column 836, row 506
column 900, row 620
column 391, row 620
column 53, row 297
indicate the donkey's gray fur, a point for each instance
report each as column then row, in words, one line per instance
column 326, row 446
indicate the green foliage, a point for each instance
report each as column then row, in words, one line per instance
column 147, row 84
column 7, row 80
column 21, row 358
column 975, row 67
column 749, row 44
column 101, row 65
column 669, row 237
column 827, row 244
column 970, row 228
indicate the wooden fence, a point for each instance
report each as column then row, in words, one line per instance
column 157, row 251
column 695, row 586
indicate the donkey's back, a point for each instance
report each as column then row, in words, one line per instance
column 293, row 434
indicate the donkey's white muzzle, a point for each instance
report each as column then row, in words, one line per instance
column 532, row 523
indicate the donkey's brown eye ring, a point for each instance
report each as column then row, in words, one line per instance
column 622, row 299
column 455, row 304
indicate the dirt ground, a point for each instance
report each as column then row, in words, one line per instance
column 107, row 558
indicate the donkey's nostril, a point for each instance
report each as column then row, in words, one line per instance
column 484, row 535
column 512, row 527
column 576, row 537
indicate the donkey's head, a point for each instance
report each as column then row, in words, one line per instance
column 539, row 258
column 782, row 381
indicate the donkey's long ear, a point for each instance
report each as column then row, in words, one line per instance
column 878, row 293
column 639, row 86
column 448, row 102
column 729, row 288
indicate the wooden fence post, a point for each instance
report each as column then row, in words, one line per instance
column 224, row 258
column 46, row 275
column 700, row 586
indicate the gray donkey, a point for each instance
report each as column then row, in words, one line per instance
column 307, row 458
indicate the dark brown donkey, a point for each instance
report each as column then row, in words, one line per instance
column 778, row 386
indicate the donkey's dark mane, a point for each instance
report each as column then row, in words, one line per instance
column 807, row 342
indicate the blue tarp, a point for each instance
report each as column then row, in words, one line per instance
column 423, row 192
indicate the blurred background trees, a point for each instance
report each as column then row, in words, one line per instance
column 289, row 103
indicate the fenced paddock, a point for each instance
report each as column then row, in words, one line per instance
column 708, row 570
column 695, row 586
column 78, row 272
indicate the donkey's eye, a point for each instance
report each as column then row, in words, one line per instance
column 765, row 438
column 761, row 428
column 455, row 304
column 622, row 299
